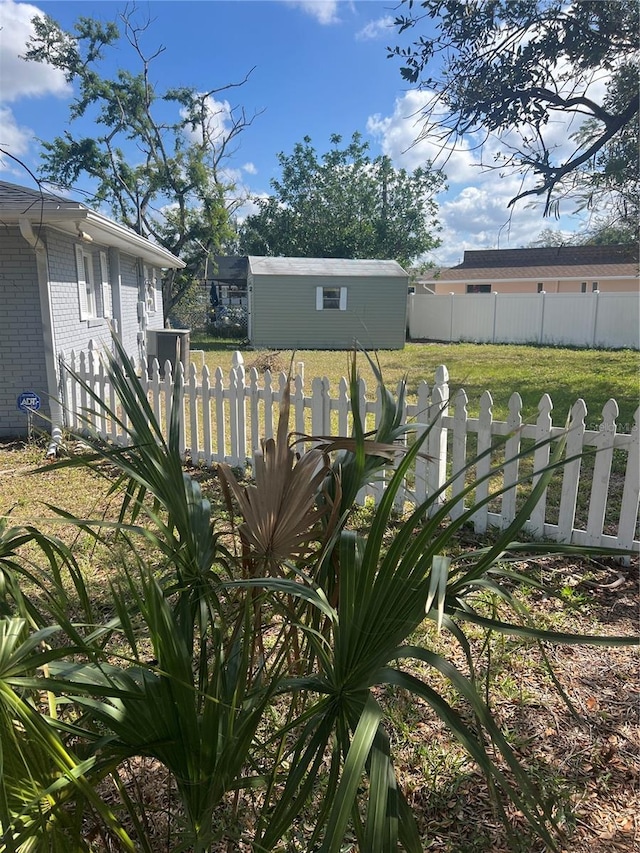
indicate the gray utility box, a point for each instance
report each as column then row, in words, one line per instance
column 168, row 345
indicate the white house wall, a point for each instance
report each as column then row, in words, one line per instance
column 22, row 366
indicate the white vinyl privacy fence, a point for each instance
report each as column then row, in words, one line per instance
column 605, row 320
column 592, row 500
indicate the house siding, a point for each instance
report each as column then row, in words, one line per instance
column 284, row 312
column 129, row 298
column 21, row 349
column 72, row 333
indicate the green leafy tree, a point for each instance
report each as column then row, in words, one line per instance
column 345, row 205
column 162, row 177
column 512, row 68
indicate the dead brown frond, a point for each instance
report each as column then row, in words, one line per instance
column 280, row 511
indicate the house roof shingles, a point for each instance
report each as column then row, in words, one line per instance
column 325, row 267
column 575, row 262
column 41, row 207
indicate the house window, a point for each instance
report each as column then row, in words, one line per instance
column 583, row 287
column 478, row 288
column 540, row 286
column 594, row 286
column 331, row 298
column 150, row 293
column 86, row 284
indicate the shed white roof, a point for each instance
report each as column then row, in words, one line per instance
column 47, row 208
column 324, row 267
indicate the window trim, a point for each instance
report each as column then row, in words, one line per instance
column 322, row 298
column 107, row 292
column 87, row 297
column 149, row 280
column 474, row 289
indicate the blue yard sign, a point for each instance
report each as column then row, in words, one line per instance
column 28, row 401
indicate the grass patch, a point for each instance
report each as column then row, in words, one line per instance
column 565, row 374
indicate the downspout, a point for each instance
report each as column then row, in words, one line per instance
column 48, row 334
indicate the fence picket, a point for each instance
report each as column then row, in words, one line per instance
column 206, row 415
column 604, row 443
column 179, row 385
column 483, row 466
column 254, row 410
column 220, row 452
column 437, row 440
column 268, row 404
column 512, row 463
column 194, row 415
column 240, row 402
column 541, row 457
column 459, row 452
column 297, row 402
column 422, row 416
column 571, row 471
column 631, row 492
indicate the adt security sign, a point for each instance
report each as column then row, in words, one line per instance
column 29, row 401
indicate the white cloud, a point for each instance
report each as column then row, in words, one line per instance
column 474, row 212
column 375, row 29
column 217, row 121
column 250, row 169
column 12, row 137
column 402, row 137
column 324, row 11
column 20, row 78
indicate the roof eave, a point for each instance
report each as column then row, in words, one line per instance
column 98, row 228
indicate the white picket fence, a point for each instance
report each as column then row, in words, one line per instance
column 225, row 418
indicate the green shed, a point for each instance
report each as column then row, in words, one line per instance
column 326, row 303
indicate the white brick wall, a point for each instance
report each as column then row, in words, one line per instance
column 22, row 366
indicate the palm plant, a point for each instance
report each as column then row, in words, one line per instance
column 371, row 603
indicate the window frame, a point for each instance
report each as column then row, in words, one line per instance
column 150, row 290
column 478, row 288
column 337, row 301
column 107, row 290
column 87, row 295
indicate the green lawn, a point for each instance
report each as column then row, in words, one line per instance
column 564, row 374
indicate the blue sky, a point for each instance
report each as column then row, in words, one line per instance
column 319, row 67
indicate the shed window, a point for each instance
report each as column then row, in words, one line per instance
column 478, row 288
column 331, row 298
column 86, row 284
